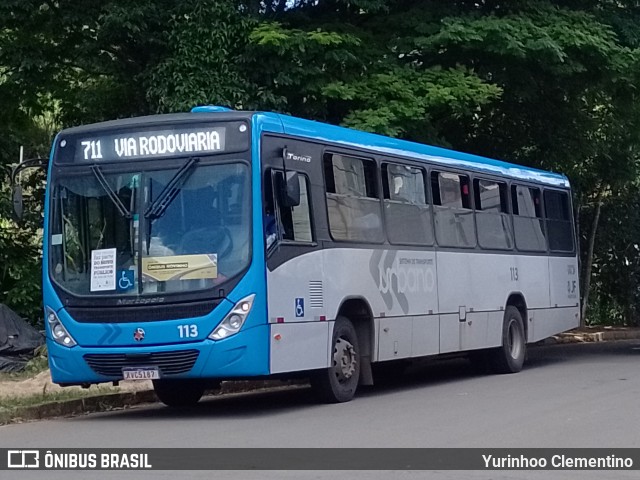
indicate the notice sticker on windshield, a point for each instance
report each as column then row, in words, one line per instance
column 180, row 267
column 103, row 270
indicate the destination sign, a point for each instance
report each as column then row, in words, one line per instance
column 150, row 144
column 144, row 142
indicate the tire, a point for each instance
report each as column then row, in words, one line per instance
column 339, row 382
column 509, row 358
column 179, row 393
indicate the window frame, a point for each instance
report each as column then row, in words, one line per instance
column 569, row 205
column 375, row 181
column 504, row 185
column 273, row 172
column 514, row 184
column 427, row 199
column 539, row 188
column 436, row 170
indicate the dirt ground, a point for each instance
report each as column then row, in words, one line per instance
column 42, row 383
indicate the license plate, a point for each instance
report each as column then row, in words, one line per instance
column 141, row 373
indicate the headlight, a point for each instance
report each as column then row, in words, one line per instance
column 58, row 332
column 232, row 323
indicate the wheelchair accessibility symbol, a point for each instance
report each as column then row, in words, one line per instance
column 299, row 307
column 125, row 280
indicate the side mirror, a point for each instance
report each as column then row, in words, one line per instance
column 18, row 206
column 290, row 190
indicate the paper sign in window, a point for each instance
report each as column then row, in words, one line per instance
column 180, row 267
column 103, row 270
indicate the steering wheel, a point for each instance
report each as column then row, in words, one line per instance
column 207, row 240
column 223, row 240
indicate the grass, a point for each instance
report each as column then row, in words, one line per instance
column 23, row 375
column 9, row 403
column 35, row 366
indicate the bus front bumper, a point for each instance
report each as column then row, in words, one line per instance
column 245, row 354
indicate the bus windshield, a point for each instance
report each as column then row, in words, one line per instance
column 102, row 243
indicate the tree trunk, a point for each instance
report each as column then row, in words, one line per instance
column 589, row 260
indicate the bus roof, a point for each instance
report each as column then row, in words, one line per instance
column 379, row 143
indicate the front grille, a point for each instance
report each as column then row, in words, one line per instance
column 142, row 313
column 169, row 363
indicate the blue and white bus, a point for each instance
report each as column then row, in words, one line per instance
column 213, row 245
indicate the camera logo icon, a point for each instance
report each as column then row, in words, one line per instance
column 23, row 459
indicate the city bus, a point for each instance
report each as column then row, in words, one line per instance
column 215, row 245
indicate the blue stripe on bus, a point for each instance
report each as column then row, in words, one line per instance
column 355, row 138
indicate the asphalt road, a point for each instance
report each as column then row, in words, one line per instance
column 577, row 395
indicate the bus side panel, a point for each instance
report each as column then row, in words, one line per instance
column 397, row 285
column 299, row 339
column 300, row 346
column 425, row 335
column 473, row 290
column 394, row 338
column 550, row 321
column 563, row 281
column 564, row 309
column 393, row 283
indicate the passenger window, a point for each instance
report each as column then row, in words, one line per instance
column 450, row 190
column 528, row 225
column 404, row 183
column 407, row 213
column 559, row 224
column 454, row 220
column 287, row 223
column 526, row 201
column 492, row 215
column 490, row 196
column 352, row 199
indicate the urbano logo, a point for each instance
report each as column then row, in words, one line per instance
column 23, row 459
column 397, row 277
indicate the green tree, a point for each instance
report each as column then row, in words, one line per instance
column 616, row 276
column 550, row 84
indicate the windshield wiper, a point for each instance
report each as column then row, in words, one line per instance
column 112, row 195
column 169, row 192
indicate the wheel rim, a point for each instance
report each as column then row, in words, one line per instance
column 344, row 360
column 514, row 337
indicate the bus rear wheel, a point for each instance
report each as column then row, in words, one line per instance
column 509, row 358
column 179, row 393
column 339, row 382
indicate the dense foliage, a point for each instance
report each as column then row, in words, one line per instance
column 547, row 83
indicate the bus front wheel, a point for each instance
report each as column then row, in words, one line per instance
column 179, row 393
column 509, row 358
column 339, row 382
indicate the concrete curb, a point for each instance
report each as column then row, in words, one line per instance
column 78, row 406
column 582, row 336
column 121, row 400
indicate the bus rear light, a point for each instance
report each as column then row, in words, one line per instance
column 58, row 332
column 232, row 323
column 280, row 320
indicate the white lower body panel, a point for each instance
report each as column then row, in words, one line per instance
column 300, row 346
column 550, row 321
